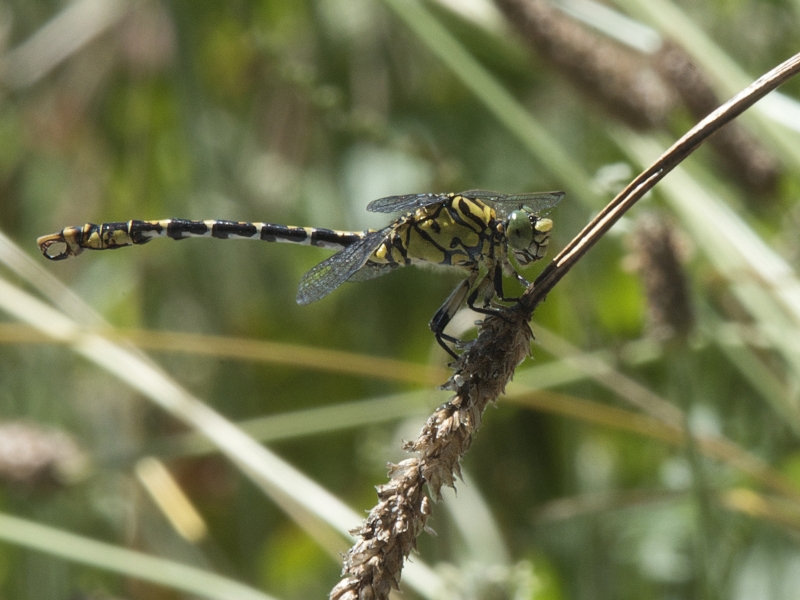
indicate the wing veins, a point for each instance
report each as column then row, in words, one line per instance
column 536, row 201
column 392, row 204
column 335, row 270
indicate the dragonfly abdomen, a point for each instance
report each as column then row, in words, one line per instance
column 71, row 241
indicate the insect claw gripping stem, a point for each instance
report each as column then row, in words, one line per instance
column 440, row 339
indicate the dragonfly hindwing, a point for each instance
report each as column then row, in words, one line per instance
column 334, row 271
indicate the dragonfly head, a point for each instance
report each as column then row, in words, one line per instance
column 527, row 235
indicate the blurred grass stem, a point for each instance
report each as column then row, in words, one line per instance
column 642, row 184
column 517, row 120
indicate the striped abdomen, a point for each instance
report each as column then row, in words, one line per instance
column 71, row 241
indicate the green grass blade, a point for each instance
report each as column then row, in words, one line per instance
column 123, row 561
column 729, row 77
column 309, row 504
column 505, row 108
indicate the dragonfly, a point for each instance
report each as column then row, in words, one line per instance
column 477, row 231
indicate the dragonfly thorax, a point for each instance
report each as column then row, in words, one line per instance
column 527, row 235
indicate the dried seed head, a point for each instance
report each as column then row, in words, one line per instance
column 373, row 565
column 745, row 158
column 621, row 80
column 35, row 459
column 657, row 254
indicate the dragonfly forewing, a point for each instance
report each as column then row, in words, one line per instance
column 504, row 203
column 392, row 204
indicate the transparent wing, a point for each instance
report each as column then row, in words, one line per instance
column 537, row 201
column 368, row 272
column 334, row 271
column 393, row 204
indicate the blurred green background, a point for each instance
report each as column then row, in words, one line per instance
column 303, row 112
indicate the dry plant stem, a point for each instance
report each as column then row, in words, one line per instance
column 604, row 71
column 679, row 151
column 373, row 565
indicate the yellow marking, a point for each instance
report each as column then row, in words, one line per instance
column 544, row 225
column 380, row 254
column 459, row 259
column 419, row 248
column 480, row 210
column 71, row 236
column 118, row 237
column 95, row 241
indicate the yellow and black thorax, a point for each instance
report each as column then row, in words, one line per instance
column 459, row 232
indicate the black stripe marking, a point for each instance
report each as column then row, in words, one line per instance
column 401, row 247
column 176, row 228
column 426, row 236
column 432, row 216
column 82, row 234
column 106, row 229
column 137, row 230
column 273, row 233
column 222, row 230
column 329, row 236
column 457, row 212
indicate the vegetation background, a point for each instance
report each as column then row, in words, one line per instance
column 581, row 484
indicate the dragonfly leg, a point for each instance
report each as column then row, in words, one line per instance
column 448, row 310
column 486, row 289
column 441, row 338
column 498, row 282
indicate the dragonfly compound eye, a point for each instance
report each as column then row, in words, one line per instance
column 520, row 230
